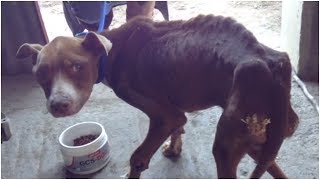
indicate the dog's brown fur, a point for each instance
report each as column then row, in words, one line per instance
column 168, row 68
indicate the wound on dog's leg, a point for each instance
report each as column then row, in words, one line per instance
column 173, row 147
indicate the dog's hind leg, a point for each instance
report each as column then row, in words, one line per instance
column 229, row 146
column 257, row 92
column 274, row 170
column 249, row 97
column 173, row 147
column 276, row 131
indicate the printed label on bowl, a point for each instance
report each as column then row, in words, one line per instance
column 91, row 161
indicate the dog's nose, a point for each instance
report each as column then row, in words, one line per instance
column 60, row 106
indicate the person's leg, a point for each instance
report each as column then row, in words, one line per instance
column 143, row 8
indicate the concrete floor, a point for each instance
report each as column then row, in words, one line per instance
column 33, row 150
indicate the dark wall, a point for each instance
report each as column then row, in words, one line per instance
column 309, row 42
column 21, row 22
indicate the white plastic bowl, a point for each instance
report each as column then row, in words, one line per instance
column 87, row 158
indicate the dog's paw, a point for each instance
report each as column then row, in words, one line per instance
column 170, row 151
column 125, row 176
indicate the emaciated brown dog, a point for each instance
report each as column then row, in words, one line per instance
column 168, row 68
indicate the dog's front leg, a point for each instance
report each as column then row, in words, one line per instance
column 159, row 130
column 165, row 119
column 157, row 134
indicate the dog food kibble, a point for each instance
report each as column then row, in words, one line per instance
column 84, row 140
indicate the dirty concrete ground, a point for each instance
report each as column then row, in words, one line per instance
column 33, row 150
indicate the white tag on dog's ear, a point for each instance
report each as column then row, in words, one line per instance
column 96, row 43
column 27, row 50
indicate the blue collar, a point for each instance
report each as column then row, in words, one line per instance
column 102, row 69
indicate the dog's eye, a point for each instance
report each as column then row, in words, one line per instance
column 76, row 67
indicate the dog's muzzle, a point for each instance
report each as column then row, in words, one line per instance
column 60, row 105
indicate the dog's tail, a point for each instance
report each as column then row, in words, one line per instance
column 252, row 82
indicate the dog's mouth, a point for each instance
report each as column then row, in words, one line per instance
column 62, row 114
column 62, row 110
column 62, row 107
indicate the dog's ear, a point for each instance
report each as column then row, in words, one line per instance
column 96, row 43
column 27, row 50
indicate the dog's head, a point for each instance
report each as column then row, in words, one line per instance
column 66, row 68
